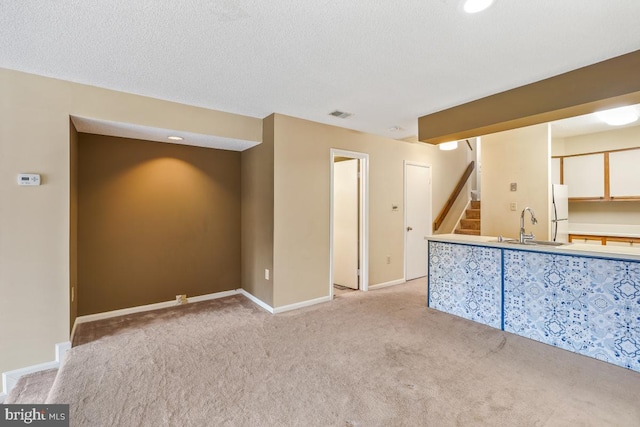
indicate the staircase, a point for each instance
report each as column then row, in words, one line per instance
column 470, row 224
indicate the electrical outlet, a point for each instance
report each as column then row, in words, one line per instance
column 513, row 206
column 514, row 186
column 181, row 299
column 388, row 259
column 266, row 274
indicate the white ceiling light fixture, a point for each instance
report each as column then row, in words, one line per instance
column 475, row 6
column 448, row 146
column 618, row 116
column 175, row 138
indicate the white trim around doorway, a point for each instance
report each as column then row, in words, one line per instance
column 363, row 250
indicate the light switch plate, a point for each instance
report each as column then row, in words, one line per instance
column 514, row 186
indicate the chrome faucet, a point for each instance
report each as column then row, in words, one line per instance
column 523, row 236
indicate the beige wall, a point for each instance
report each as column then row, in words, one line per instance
column 35, row 221
column 155, row 220
column 557, row 146
column 625, row 212
column 521, row 156
column 302, row 198
column 257, row 216
column 602, row 141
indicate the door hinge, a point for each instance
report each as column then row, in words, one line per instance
column 358, row 272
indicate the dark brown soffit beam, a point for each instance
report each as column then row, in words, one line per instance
column 607, row 84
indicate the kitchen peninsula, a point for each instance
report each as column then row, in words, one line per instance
column 577, row 297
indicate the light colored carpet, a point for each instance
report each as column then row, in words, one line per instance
column 380, row 358
column 32, row 388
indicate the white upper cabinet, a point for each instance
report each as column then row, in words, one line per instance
column 555, row 170
column 584, row 175
column 624, row 174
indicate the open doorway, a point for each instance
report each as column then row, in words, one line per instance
column 349, row 218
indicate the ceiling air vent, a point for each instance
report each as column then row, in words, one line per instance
column 340, row 114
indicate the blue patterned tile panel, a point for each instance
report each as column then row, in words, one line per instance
column 466, row 281
column 586, row 305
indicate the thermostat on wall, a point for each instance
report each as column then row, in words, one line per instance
column 28, row 179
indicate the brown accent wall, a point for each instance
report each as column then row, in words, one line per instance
column 257, row 215
column 73, row 224
column 155, row 220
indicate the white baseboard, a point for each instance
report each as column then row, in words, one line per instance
column 216, row 295
column 149, row 307
column 256, row 301
column 73, row 330
column 301, row 304
column 284, row 308
column 61, row 351
column 10, row 378
column 387, row 284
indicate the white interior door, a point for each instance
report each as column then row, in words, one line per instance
column 345, row 225
column 417, row 218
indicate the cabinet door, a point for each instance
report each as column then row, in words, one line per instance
column 624, row 180
column 555, row 170
column 584, row 175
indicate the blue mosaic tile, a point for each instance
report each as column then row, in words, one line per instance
column 465, row 281
column 586, row 305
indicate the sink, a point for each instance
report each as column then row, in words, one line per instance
column 529, row 242
column 536, row 243
column 503, row 240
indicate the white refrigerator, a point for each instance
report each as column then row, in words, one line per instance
column 559, row 213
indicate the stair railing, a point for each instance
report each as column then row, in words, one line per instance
column 454, row 195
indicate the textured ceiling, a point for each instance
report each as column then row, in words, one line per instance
column 387, row 62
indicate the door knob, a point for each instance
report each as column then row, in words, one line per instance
column 409, row 228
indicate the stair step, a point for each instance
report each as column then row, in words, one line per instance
column 470, row 224
column 472, row 213
column 475, row 204
column 467, row 231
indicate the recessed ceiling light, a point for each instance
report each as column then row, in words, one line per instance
column 618, row 116
column 448, row 146
column 475, row 6
column 175, row 138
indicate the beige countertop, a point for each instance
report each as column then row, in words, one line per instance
column 614, row 252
